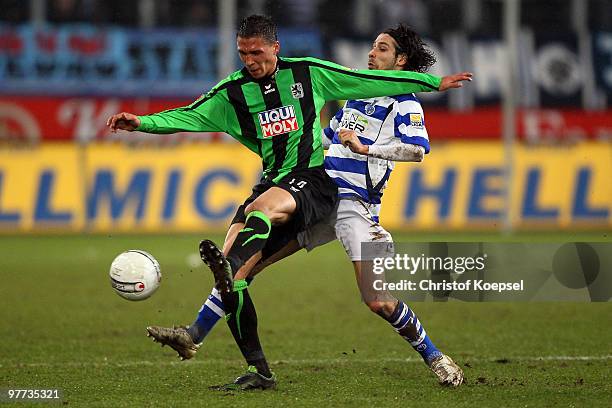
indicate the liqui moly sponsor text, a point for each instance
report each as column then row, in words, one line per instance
column 277, row 121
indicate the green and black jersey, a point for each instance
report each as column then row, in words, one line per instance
column 278, row 117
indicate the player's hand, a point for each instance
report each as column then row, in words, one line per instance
column 349, row 139
column 123, row 121
column 454, row 81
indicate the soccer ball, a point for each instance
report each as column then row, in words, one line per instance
column 135, row 275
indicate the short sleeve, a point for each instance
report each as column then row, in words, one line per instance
column 409, row 122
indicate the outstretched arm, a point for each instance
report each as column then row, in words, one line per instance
column 336, row 82
column 207, row 114
column 123, row 121
column 454, row 81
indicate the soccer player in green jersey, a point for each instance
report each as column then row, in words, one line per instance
column 272, row 107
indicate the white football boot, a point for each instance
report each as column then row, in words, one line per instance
column 447, row 371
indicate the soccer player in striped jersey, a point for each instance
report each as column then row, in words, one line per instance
column 364, row 139
column 271, row 106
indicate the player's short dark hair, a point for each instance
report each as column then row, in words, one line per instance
column 258, row 26
column 420, row 58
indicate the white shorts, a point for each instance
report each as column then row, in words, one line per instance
column 352, row 224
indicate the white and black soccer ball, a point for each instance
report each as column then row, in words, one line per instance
column 135, row 274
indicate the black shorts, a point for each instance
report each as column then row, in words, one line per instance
column 315, row 195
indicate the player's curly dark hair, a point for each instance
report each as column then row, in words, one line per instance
column 420, row 58
column 258, row 26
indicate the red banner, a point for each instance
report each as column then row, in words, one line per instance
column 537, row 126
column 84, row 120
column 79, row 119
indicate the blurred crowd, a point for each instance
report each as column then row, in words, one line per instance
column 332, row 17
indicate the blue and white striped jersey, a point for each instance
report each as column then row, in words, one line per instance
column 381, row 121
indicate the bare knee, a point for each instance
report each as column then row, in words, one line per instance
column 269, row 210
column 260, row 206
column 383, row 309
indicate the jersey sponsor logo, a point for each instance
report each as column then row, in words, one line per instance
column 278, row 121
column 297, row 90
column 354, row 122
column 416, row 120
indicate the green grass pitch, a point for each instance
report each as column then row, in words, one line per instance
column 63, row 327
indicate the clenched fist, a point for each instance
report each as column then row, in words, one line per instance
column 349, row 139
column 124, row 121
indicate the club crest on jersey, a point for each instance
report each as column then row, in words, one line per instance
column 297, row 90
column 370, row 108
column 278, row 121
column 416, row 120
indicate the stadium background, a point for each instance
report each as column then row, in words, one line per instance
column 66, row 65
column 522, row 153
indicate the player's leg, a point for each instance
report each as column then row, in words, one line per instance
column 212, row 310
column 279, row 246
column 315, row 196
column 241, row 318
column 400, row 317
column 273, row 206
column 187, row 340
column 184, row 340
column 407, row 324
column 282, row 243
column 245, row 227
column 290, row 248
column 355, row 226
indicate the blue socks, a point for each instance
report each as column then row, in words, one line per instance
column 403, row 320
column 212, row 310
column 407, row 324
